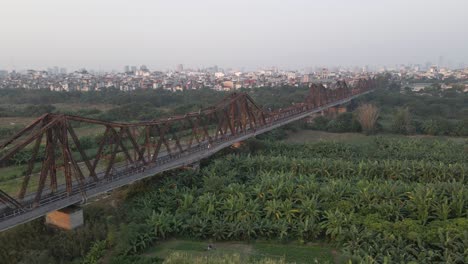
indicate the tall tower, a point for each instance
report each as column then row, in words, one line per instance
column 440, row 64
column 180, row 68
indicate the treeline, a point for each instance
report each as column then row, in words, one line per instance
column 445, row 113
column 136, row 105
column 432, row 112
column 268, row 96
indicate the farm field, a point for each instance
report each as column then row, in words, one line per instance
column 308, row 136
column 378, row 190
column 337, row 197
column 244, row 251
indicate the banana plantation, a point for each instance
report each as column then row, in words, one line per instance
column 380, row 200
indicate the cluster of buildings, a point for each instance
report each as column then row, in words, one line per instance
column 135, row 78
column 433, row 72
column 141, row 78
column 418, row 78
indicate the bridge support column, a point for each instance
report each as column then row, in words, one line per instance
column 237, row 145
column 67, row 218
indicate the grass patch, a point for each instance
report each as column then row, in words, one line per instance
column 247, row 252
column 9, row 122
column 310, row 136
column 303, row 136
column 295, row 253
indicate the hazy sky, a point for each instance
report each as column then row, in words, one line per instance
column 108, row 34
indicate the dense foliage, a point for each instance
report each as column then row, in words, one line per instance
column 379, row 199
column 444, row 113
column 412, row 208
column 437, row 112
column 136, row 105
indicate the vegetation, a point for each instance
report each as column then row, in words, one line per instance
column 402, row 122
column 35, row 243
column 367, row 115
column 353, row 205
column 181, row 258
column 431, row 113
column 409, row 196
column 377, row 199
column 243, row 252
column 136, row 105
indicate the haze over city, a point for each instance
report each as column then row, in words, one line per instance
column 108, row 34
column 240, row 132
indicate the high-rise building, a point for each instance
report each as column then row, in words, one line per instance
column 126, row 68
column 441, row 61
column 180, row 68
column 63, row 70
column 134, row 68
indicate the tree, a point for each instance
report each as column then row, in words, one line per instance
column 320, row 123
column 402, row 122
column 367, row 115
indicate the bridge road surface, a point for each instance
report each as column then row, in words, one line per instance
column 123, row 176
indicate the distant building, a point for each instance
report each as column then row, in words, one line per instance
column 127, row 68
column 180, row 68
column 228, row 85
column 434, row 69
column 53, row 71
column 3, row 73
column 416, row 87
column 323, row 73
column 306, row 78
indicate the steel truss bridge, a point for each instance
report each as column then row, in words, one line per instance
column 60, row 172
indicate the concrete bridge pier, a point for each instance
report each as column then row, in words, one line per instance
column 237, row 145
column 67, row 218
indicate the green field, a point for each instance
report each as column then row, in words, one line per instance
column 310, row 136
column 254, row 251
column 284, row 202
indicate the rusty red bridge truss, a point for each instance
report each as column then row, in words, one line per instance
column 58, row 170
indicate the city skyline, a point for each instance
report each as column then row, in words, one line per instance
column 107, row 35
column 55, row 69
